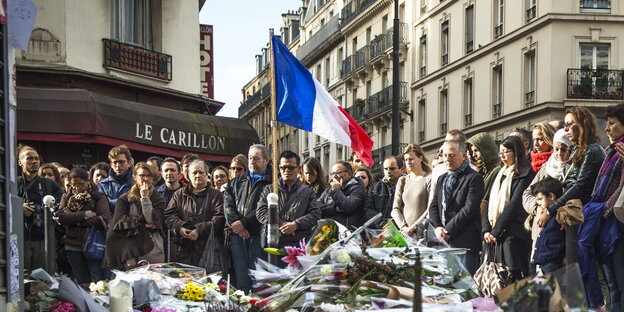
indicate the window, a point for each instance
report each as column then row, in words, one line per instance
column 327, row 72
column 423, row 56
column 318, row 72
column 445, row 43
column 529, row 70
column 499, row 13
column 594, row 69
column 131, row 22
column 422, row 119
column 531, row 12
column 497, row 88
column 468, row 102
column 443, row 112
column 469, row 29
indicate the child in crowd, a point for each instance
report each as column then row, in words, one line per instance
column 550, row 245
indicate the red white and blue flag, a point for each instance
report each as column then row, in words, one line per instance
column 303, row 103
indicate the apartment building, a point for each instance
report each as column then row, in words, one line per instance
column 497, row 65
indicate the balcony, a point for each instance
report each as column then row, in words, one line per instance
column 467, row 120
column 352, row 9
column 254, row 99
column 531, row 13
column 497, row 110
column 136, row 59
column 380, row 154
column 529, row 98
column 323, row 39
column 382, row 100
column 498, row 31
column 358, row 110
column 595, row 4
column 377, row 45
column 403, row 35
column 347, row 66
column 601, row 84
column 362, row 56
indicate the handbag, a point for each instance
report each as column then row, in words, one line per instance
column 211, row 258
column 95, row 244
column 492, row 275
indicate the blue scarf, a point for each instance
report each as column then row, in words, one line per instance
column 256, row 176
column 450, row 182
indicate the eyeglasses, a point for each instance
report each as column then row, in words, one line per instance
column 237, row 169
column 337, row 172
column 220, row 176
column 144, row 176
column 291, row 168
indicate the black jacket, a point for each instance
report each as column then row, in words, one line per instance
column 380, row 199
column 511, row 221
column 34, row 191
column 298, row 205
column 350, row 199
column 463, row 215
column 579, row 180
column 240, row 199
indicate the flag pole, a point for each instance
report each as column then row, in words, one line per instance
column 273, row 114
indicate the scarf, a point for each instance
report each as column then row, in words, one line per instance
column 538, row 159
column 254, row 177
column 554, row 168
column 450, row 182
column 121, row 179
column 499, row 199
column 78, row 200
column 606, row 173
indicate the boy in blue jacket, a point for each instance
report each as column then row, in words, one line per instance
column 550, row 244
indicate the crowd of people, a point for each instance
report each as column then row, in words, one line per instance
column 475, row 193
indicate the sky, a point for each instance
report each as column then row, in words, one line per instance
column 240, row 31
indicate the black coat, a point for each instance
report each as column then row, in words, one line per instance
column 463, row 215
column 349, row 199
column 241, row 198
column 298, row 205
column 379, row 200
column 34, row 191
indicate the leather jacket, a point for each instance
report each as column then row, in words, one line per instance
column 241, row 198
column 349, row 200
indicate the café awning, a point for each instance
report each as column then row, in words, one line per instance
column 82, row 116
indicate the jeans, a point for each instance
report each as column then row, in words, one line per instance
column 470, row 260
column 587, row 242
column 551, row 267
column 85, row 270
column 245, row 251
column 614, row 274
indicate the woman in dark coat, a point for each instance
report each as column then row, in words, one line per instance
column 503, row 220
column 81, row 208
column 135, row 233
column 193, row 212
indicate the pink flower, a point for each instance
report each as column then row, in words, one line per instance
column 293, row 252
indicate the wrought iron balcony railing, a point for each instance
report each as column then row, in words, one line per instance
column 403, row 35
column 602, row 84
column 531, row 13
column 361, row 57
column 497, row 110
column 498, row 31
column 383, row 99
column 136, row 59
column 347, row 66
column 595, row 4
column 352, row 9
column 529, row 98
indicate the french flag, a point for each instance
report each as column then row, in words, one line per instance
column 303, row 103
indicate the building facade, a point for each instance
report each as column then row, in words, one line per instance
column 517, row 64
column 121, row 73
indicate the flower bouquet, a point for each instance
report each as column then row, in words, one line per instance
column 326, row 233
column 389, row 237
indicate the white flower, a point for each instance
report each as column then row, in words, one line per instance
column 328, row 307
column 326, row 270
column 342, row 256
column 292, row 310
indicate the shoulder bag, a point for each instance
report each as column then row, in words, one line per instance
column 492, row 275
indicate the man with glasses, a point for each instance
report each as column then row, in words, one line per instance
column 298, row 207
column 381, row 194
column 119, row 179
column 240, row 199
column 347, row 195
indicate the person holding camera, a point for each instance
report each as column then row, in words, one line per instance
column 193, row 212
column 32, row 188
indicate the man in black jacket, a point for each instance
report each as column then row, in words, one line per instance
column 298, row 208
column 345, row 198
column 240, row 199
column 32, row 188
column 454, row 210
column 381, row 194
